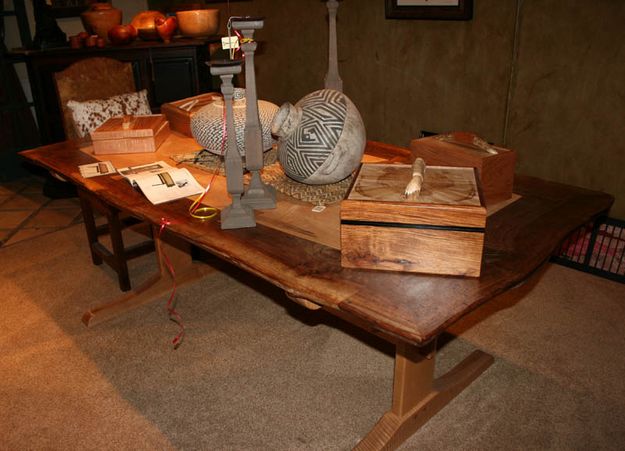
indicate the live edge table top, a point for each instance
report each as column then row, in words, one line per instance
column 402, row 307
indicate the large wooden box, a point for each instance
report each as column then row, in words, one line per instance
column 439, row 232
column 179, row 113
column 130, row 134
column 496, row 170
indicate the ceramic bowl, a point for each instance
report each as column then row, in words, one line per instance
column 207, row 123
column 198, row 22
column 100, row 19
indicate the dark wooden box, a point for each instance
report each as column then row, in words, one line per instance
column 496, row 170
column 179, row 113
column 439, row 232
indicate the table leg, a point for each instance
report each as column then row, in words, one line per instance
column 90, row 226
column 417, row 396
column 169, row 247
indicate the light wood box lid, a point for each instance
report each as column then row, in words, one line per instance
column 450, row 196
column 139, row 127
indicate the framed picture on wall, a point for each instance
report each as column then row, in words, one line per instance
column 429, row 9
column 177, row 5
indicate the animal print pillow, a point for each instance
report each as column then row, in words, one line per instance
column 90, row 114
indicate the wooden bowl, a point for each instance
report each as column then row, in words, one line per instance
column 144, row 23
column 198, row 22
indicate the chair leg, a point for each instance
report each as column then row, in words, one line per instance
column 118, row 256
column 119, row 252
column 90, row 227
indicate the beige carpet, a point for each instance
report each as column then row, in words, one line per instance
column 257, row 372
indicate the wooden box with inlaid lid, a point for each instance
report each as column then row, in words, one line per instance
column 130, row 134
column 440, row 231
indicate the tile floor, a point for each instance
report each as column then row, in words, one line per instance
column 25, row 212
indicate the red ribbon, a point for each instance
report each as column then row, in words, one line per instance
column 240, row 38
column 173, row 314
column 224, row 137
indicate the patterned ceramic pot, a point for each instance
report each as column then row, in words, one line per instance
column 207, row 124
column 322, row 137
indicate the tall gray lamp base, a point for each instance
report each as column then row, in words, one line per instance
column 332, row 79
column 236, row 215
column 258, row 195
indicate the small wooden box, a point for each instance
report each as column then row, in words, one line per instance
column 496, row 170
column 439, row 232
column 179, row 113
column 142, row 134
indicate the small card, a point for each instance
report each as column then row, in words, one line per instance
column 150, row 168
column 96, row 169
column 230, row 42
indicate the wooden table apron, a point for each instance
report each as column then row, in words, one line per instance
column 407, row 309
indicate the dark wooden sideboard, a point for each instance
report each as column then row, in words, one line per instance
column 168, row 71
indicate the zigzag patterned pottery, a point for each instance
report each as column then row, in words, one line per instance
column 207, row 124
column 322, row 137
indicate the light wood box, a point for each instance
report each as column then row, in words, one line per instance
column 179, row 113
column 144, row 134
column 496, row 171
column 439, row 232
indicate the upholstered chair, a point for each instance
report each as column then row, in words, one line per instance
column 89, row 82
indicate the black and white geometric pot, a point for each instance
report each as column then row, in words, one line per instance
column 321, row 138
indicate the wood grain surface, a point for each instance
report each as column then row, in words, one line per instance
column 496, row 171
column 403, row 307
column 446, row 252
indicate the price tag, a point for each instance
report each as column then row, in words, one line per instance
column 230, row 42
column 319, row 208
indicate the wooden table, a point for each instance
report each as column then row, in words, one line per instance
column 297, row 250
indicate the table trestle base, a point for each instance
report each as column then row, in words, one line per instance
column 169, row 249
column 417, row 396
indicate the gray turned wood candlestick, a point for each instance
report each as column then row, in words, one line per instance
column 258, row 195
column 236, row 215
column 333, row 79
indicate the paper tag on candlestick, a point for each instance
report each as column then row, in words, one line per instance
column 230, row 42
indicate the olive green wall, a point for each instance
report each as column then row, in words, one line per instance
column 567, row 113
column 544, row 77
